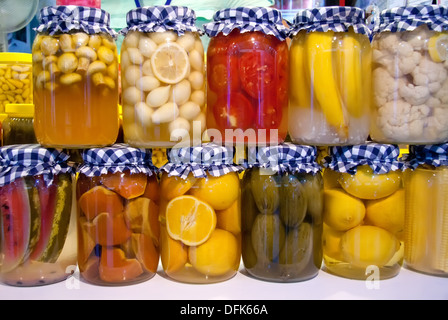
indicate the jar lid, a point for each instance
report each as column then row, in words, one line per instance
column 24, row 160
column 116, row 158
column 25, row 110
column 382, row 158
column 160, row 19
column 285, row 157
column 206, row 159
column 16, row 57
column 62, row 19
column 434, row 154
column 410, row 17
column 338, row 19
column 246, row 19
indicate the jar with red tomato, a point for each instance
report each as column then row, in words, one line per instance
column 247, row 76
column 330, row 77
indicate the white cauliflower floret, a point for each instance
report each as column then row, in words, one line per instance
column 418, row 37
column 399, row 60
column 388, row 41
column 442, row 94
column 415, row 95
column 385, row 86
column 408, row 59
column 428, row 72
column 437, row 125
column 433, row 102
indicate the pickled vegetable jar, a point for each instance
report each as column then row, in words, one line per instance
column 200, row 232
column 16, row 83
column 118, row 204
column 163, row 77
column 37, row 223
column 330, row 77
column 410, row 77
column 247, row 76
column 18, row 125
column 363, row 211
column 426, row 211
column 281, row 207
column 75, row 72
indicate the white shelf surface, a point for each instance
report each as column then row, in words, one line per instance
column 407, row 285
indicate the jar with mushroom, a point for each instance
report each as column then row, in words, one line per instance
column 163, row 77
column 75, row 76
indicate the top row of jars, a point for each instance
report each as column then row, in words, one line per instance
column 333, row 84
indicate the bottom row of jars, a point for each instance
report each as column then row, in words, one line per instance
column 284, row 224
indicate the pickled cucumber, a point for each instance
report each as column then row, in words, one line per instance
column 294, row 201
column 265, row 191
column 298, row 246
column 268, row 236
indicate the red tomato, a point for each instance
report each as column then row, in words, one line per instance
column 222, row 72
column 234, row 111
column 269, row 115
column 257, row 72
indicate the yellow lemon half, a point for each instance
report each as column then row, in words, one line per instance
column 170, row 63
column 438, row 47
column 189, row 220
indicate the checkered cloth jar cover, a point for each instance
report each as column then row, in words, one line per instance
column 285, row 157
column 409, row 18
column 434, row 154
column 206, row 159
column 247, row 19
column 161, row 18
column 382, row 158
column 337, row 19
column 62, row 19
column 25, row 160
column 116, row 158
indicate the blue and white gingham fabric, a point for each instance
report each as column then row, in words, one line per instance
column 161, row 18
column 433, row 154
column 202, row 161
column 409, row 18
column 116, row 158
column 382, row 158
column 337, row 19
column 246, row 19
column 57, row 19
column 285, row 157
column 25, row 160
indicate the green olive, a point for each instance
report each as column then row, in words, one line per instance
column 268, row 236
column 265, row 191
column 293, row 201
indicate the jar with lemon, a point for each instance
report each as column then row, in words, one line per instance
column 364, row 210
column 162, row 77
column 282, row 203
column 426, row 219
column 200, row 231
column 409, row 76
column 117, row 195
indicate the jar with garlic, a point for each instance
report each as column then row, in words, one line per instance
column 162, row 77
column 75, row 77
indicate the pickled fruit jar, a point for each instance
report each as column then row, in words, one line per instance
column 200, row 231
column 75, row 72
column 281, row 207
column 16, row 83
column 330, row 77
column 426, row 211
column 18, row 125
column 410, row 77
column 117, row 197
column 37, row 223
column 363, row 211
column 247, row 76
column 163, row 77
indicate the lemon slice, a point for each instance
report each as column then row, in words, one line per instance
column 170, row 63
column 438, row 47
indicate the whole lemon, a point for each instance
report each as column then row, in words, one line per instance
column 341, row 210
column 219, row 192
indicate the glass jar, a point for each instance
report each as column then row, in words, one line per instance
column 330, row 77
column 163, row 77
column 409, row 76
column 118, row 205
column 18, row 125
column 282, row 194
column 75, row 72
column 16, row 84
column 363, row 215
column 38, row 230
column 200, row 212
column 247, row 76
column 425, row 244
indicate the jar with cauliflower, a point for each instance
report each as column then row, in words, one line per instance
column 330, row 77
column 163, row 77
column 75, row 77
column 410, row 76
column 364, row 211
